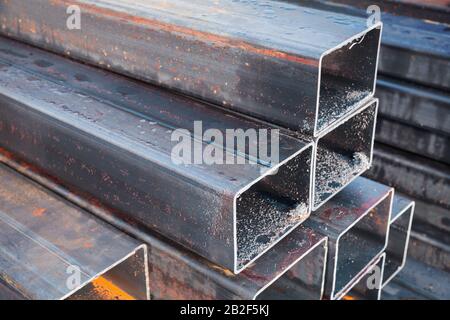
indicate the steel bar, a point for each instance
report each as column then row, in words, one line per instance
column 412, row 175
column 296, row 68
column 369, row 286
column 414, row 47
column 414, row 105
column 434, row 10
column 112, row 138
column 418, row 281
column 399, row 233
column 356, row 223
column 430, row 248
column 50, row 249
column 434, row 216
column 177, row 273
column 422, row 142
column 343, row 153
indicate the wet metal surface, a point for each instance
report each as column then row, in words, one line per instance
column 301, row 255
column 416, row 38
column 295, row 68
column 111, row 138
column 177, row 273
column 50, row 249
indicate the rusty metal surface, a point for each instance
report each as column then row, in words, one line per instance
column 356, row 222
column 399, row 234
column 343, row 153
column 303, row 79
column 412, row 175
column 415, row 105
column 435, row 10
column 44, row 240
column 426, row 143
column 416, row 41
column 111, row 138
column 418, row 281
column 177, row 273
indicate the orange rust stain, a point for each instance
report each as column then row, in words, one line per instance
column 88, row 245
column 201, row 35
column 109, row 291
column 349, row 298
column 225, row 271
column 39, row 212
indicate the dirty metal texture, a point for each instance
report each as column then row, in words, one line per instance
column 112, row 138
column 435, row 10
column 412, row 175
column 343, row 153
column 419, row 141
column 415, row 46
column 418, row 281
column 434, row 250
column 436, row 217
column 415, row 105
column 45, row 241
column 296, row 68
column 8, row 294
column 399, row 234
column 356, row 222
column 177, row 273
column 369, row 287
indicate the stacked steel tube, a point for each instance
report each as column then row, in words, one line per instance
column 95, row 134
column 412, row 141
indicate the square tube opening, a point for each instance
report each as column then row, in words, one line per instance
column 397, row 247
column 348, row 77
column 273, row 207
column 128, row 280
column 369, row 286
column 344, row 153
column 303, row 281
column 360, row 244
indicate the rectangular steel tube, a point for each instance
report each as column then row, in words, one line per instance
column 369, row 287
column 343, row 153
column 419, row 141
column 356, row 222
column 415, row 46
column 113, row 138
column 296, row 68
column 413, row 175
column 399, row 234
column 51, row 250
column 177, row 273
column 415, row 105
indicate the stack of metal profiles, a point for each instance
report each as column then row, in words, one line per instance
column 87, row 124
column 412, row 149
